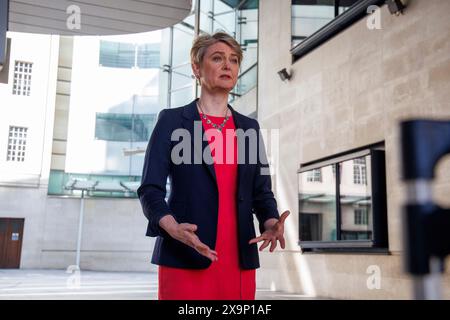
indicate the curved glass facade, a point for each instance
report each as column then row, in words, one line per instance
column 240, row 19
column 119, row 85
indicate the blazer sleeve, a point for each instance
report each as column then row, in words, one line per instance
column 264, row 202
column 152, row 191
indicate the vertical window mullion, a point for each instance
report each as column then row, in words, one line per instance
column 136, row 48
column 338, row 202
column 336, row 8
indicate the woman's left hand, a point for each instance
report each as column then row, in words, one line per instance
column 273, row 233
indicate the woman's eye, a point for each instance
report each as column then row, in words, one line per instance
column 217, row 58
column 234, row 61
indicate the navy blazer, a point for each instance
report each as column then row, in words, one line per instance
column 194, row 194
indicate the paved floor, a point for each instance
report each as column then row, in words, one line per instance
column 91, row 285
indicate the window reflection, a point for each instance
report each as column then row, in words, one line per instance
column 359, row 171
column 179, row 97
column 205, row 14
column 315, row 175
column 182, row 43
column 181, row 76
column 321, row 218
column 247, row 80
column 123, row 118
column 124, row 127
column 239, row 19
column 181, row 85
column 308, row 16
column 148, row 55
column 317, row 205
column 224, row 17
column 116, row 54
column 356, row 202
column 128, row 55
column 344, row 5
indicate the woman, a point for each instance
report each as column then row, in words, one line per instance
column 206, row 243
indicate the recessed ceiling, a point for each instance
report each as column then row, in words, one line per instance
column 95, row 17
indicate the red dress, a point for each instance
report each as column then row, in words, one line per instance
column 224, row 279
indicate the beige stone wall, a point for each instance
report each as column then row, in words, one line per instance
column 350, row 92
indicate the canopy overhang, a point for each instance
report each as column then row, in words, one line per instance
column 93, row 17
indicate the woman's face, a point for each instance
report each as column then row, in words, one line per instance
column 219, row 69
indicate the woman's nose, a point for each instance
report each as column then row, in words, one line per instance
column 226, row 64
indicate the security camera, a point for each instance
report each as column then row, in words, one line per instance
column 284, row 75
column 396, row 6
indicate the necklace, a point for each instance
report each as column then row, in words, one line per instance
column 208, row 121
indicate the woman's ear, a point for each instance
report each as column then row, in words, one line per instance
column 196, row 70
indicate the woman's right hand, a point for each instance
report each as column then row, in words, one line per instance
column 185, row 233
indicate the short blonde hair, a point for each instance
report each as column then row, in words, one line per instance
column 205, row 40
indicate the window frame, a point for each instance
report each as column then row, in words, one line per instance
column 379, row 243
column 331, row 29
column 361, row 216
column 23, row 70
column 17, row 143
column 359, row 172
column 315, row 176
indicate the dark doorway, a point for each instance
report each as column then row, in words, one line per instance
column 11, row 234
column 310, row 226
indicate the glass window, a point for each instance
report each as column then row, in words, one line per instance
column 239, row 19
column 224, row 17
column 205, row 15
column 317, row 205
column 337, row 212
column 129, row 55
column 117, row 54
column 182, row 43
column 359, row 171
column 17, row 140
column 314, row 175
column 112, row 186
column 356, row 201
column 247, row 80
column 22, row 78
column 361, row 216
column 182, row 77
column 179, row 97
column 344, row 5
column 182, row 83
column 124, row 127
column 148, row 56
column 308, row 16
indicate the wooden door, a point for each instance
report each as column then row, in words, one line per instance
column 11, row 234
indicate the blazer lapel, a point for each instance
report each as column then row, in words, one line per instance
column 191, row 115
column 239, row 124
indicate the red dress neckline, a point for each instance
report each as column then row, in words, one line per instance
column 215, row 116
